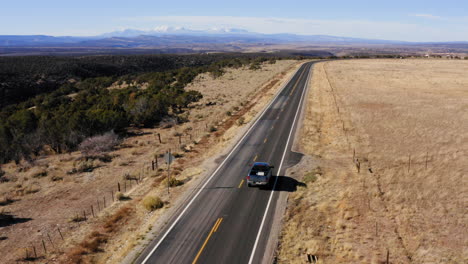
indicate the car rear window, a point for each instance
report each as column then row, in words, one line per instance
column 258, row 168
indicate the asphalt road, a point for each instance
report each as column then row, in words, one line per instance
column 226, row 221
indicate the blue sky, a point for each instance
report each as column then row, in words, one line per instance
column 393, row 19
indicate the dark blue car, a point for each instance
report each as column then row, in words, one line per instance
column 259, row 174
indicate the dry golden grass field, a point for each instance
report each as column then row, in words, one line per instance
column 405, row 123
column 53, row 210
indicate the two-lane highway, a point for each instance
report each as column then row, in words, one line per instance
column 226, row 221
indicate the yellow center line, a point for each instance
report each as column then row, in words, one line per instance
column 256, row 156
column 213, row 229
column 217, row 225
column 298, row 80
column 240, row 185
column 265, row 140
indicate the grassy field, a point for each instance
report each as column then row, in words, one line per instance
column 404, row 123
column 79, row 198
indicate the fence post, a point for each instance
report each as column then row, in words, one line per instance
column 159, row 137
column 427, row 153
column 61, row 232
column 168, row 172
column 50, row 239
column 118, row 186
column 409, row 162
column 43, row 245
column 92, row 211
column 34, row 249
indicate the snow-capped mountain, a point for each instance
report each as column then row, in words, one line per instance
column 169, row 30
column 225, row 30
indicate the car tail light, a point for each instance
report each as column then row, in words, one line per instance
column 248, row 177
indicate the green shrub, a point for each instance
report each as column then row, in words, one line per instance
column 83, row 166
column 213, row 129
column 37, row 173
column 56, row 178
column 255, row 66
column 5, row 200
column 312, row 175
column 216, row 73
column 173, row 182
column 77, row 218
column 152, row 203
column 177, row 155
column 4, row 177
column 121, row 197
column 32, row 188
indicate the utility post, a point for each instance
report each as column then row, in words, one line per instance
column 168, row 170
column 169, row 159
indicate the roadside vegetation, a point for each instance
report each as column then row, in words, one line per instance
column 80, row 189
column 60, row 101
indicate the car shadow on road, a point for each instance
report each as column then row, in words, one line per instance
column 283, row 184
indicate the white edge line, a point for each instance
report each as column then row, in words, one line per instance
column 279, row 171
column 219, row 167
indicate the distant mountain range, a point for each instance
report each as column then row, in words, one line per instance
column 179, row 39
column 165, row 35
